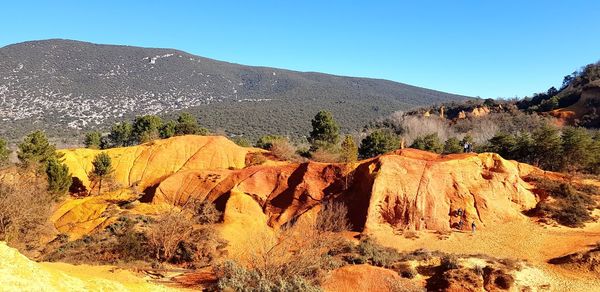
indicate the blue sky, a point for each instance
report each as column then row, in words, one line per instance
column 477, row 48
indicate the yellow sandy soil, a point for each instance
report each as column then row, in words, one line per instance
column 17, row 273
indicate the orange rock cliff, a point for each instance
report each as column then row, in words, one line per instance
column 406, row 189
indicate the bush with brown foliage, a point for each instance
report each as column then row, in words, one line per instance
column 25, row 207
column 284, row 149
column 295, row 256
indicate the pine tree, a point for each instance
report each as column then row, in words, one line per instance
column 503, row 144
column 146, row 128
column 92, row 140
column 120, row 135
column 547, row 149
column 325, row 131
column 349, row 150
column 576, row 146
column 188, row 125
column 35, row 149
column 102, row 169
column 59, row 178
column 378, row 142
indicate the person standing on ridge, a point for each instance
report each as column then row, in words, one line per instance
column 473, row 227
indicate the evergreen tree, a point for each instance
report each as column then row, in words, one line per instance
column 35, row 149
column 146, row 128
column 325, row 131
column 167, row 130
column 59, row 178
column 524, row 149
column 576, row 146
column 93, row 140
column 4, row 152
column 430, row 142
column 102, row 169
column 452, row 145
column 378, row 142
column 188, row 125
column 503, row 144
column 547, row 147
column 349, row 150
column 120, row 135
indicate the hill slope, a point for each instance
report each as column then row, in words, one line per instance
column 64, row 86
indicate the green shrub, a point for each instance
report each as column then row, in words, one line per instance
column 429, row 142
column 378, row 142
column 452, row 145
column 266, row 142
column 376, row 254
column 234, row 277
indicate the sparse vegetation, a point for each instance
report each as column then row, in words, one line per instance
column 25, row 207
column 296, row 257
column 4, row 153
column 571, row 205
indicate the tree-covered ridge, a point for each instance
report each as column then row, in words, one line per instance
column 66, row 87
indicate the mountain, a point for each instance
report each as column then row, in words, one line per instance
column 65, row 87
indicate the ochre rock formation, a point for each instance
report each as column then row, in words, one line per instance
column 148, row 164
column 406, row 189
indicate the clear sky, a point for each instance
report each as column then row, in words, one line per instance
column 478, row 48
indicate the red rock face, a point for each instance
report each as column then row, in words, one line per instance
column 409, row 189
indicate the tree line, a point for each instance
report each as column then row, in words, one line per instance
column 37, row 155
column 144, row 129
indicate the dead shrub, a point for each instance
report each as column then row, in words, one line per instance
column 325, row 155
column 298, row 253
column 333, row 217
column 205, row 212
column 174, row 238
column 25, row 206
column 255, row 159
column 284, row 150
column 410, row 234
column 166, row 234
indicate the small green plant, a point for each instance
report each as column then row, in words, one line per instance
column 376, row 254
